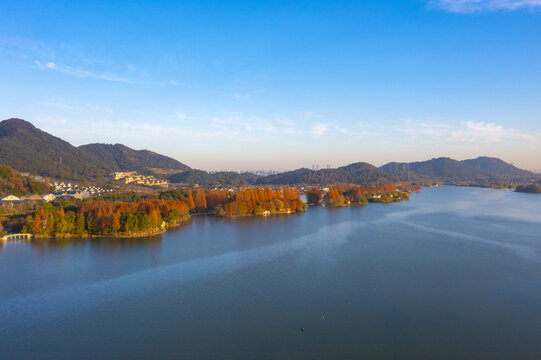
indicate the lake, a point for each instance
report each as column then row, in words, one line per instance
column 454, row 273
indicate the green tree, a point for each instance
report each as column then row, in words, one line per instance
column 79, row 227
column 172, row 216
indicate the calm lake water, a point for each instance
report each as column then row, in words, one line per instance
column 455, row 273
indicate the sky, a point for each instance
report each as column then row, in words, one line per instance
column 239, row 85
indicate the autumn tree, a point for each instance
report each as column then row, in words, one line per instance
column 189, row 199
column 200, row 200
column 313, row 196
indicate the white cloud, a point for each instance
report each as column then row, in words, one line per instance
column 98, row 108
column 470, row 6
column 25, row 48
column 56, row 105
column 424, row 128
column 92, row 107
column 319, row 129
column 468, row 132
column 183, row 117
column 239, row 96
column 81, row 73
column 487, row 132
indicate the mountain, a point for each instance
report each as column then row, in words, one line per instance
column 204, row 178
column 499, row 168
column 440, row 169
column 357, row 173
column 482, row 169
column 29, row 149
column 120, row 157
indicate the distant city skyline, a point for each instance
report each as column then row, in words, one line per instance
column 273, row 85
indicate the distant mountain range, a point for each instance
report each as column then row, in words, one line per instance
column 29, row 149
column 480, row 170
column 354, row 173
column 25, row 148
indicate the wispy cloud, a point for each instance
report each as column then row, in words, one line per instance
column 466, row 132
column 487, row 132
column 471, row 6
column 239, row 96
column 319, row 129
column 424, row 128
column 81, row 73
column 93, row 107
column 25, row 48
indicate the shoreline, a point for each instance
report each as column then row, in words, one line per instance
column 137, row 235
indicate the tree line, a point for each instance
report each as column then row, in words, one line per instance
column 343, row 194
column 114, row 215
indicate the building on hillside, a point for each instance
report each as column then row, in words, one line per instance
column 134, row 177
column 48, row 197
column 119, row 175
column 72, row 194
column 81, row 195
column 9, row 198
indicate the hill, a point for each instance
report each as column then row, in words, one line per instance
column 440, row 169
column 26, row 148
column 120, row 157
column 498, row 168
column 12, row 183
column 204, row 178
column 482, row 169
column 357, row 173
column 29, row 149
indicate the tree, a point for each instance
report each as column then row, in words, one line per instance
column 37, row 226
column 200, row 200
column 172, row 216
column 313, row 196
column 189, row 199
column 79, row 227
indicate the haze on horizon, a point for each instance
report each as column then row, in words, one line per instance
column 274, row 85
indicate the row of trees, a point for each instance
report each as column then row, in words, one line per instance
column 250, row 201
column 342, row 194
column 125, row 216
column 107, row 218
column 262, row 201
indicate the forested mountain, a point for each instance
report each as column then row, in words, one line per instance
column 204, row 178
column 123, row 158
column 357, row 173
column 482, row 169
column 12, row 183
column 28, row 149
column 499, row 168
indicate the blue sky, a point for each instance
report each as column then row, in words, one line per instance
column 280, row 84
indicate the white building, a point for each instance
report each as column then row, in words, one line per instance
column 48, row 197
column 9, row 198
